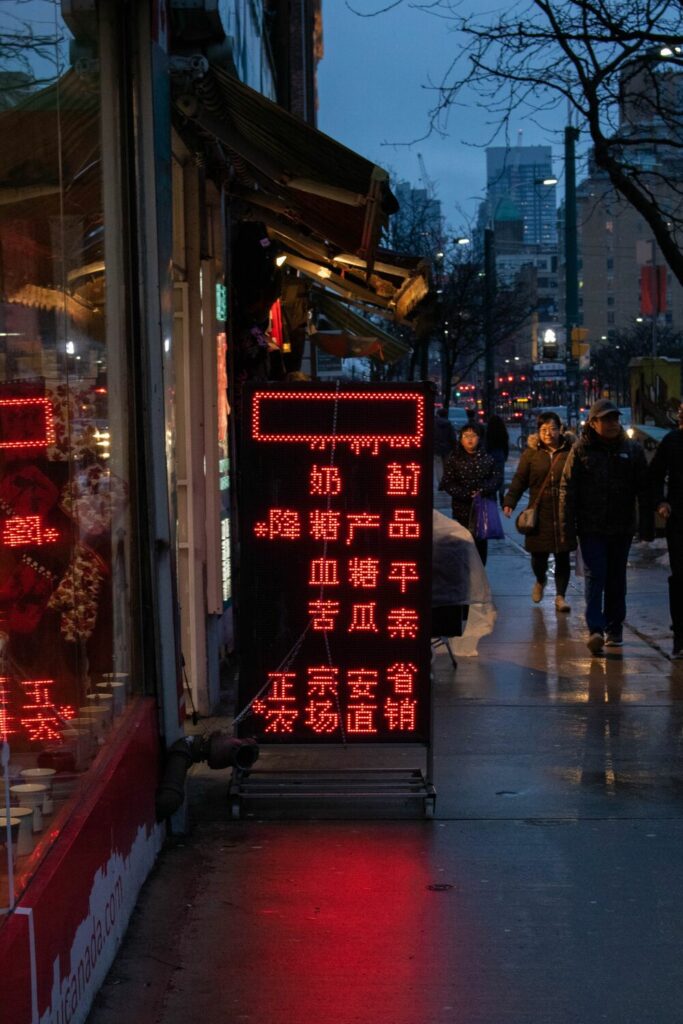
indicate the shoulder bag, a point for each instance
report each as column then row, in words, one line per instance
column 527, row 521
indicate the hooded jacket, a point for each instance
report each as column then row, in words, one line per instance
column 604, row 488
column 536, row 462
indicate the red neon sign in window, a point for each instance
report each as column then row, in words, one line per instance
column 362, row 682
column 402, row 622
column 324, row 525
column 323, row 614
column 39, row 718
column 26, row 423
column 279, row 719
column 8, row 726
column 363, row 618
column 322, row 681
column 401, row 714
column 360, row 521
column 402, row 675
column 26, row 531
column 322, row 716
column 360, row 718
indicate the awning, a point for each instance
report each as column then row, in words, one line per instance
column 358, row 337
column 291, row 168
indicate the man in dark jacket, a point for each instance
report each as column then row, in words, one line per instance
column 604, row 476
column 666, row 479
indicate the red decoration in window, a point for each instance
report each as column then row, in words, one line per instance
column 27, row 531
column 404, row 525
column 324, row 525
column 40, row 719
column 26, row 491
column 325, row 480
column 322, row 716
column 323, row 614
column 282, row 522
column 324, row 572
column 402, row 622
column 402, row 676
column 364, row 572
column 403, row 573
column 26, row 423
column 8, row 726
column 360, row 718
column 362, row 682
column 360, row 521
column 403, row 480
column 322, row 681
column 363, row 618
column 401, row 714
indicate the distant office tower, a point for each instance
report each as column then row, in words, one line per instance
column 418, row 226
column 514, row 180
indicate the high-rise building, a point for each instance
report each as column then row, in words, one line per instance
column 516, row 175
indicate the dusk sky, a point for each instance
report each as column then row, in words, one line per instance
column 373, row 93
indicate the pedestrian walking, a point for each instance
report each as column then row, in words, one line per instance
column 666, row 481
column 604, row 497
column 445, row 440
column 498, row 446
column 469, row 472
column 540, row 472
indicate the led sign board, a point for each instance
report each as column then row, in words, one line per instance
column 336, row 502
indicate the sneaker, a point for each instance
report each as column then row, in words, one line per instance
column 614, row 640
column 561, row 605
column 537, row 592
column 595, row 643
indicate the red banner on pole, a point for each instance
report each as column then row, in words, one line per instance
column 652, row 290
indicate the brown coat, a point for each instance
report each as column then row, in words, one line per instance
column 531, row 472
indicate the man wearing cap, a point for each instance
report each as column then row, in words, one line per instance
column 666, row 478
column 605, row 476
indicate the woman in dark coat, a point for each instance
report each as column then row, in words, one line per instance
column 469, row 471
column 546, row 453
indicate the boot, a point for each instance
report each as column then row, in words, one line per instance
column 676, row 609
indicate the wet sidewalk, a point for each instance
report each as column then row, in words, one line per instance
column 547, row 890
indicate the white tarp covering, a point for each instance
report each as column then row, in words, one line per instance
column 458, row 577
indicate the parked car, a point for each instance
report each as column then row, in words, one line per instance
column 458, row 416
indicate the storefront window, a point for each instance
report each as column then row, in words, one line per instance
column 65, row 576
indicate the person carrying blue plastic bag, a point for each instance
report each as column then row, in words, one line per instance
column 470, row 473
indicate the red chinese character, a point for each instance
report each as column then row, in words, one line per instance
column 402, row 480
column 402, row 622
column 404, row 525
column 325, row 480
column 360, row 718
column 322, row 681
column 282, row 522
column 278, row 719
column 279, row 685
column 324, row 525
column 27, row 531
column 400, row 714
column 364, row 572
column 7, row 721
column 363, row 618
column 361, row 521
column 403, row 573
column 323, row 613
column 402, row 676
column 362, row 682
column 324, row 572
column 322, row 716
column 40, row 719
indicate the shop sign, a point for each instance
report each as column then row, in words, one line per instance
column 336, row 512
